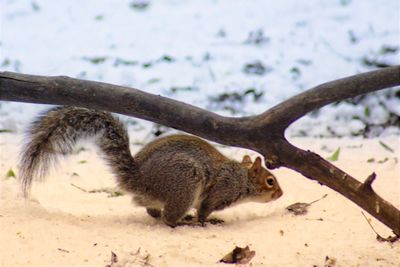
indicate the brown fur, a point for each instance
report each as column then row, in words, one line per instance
column 169, row 176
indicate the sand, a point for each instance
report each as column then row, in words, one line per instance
column 61, row 225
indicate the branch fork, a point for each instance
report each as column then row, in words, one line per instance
column 367, row 185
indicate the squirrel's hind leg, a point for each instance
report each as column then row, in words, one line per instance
column 175, row 211
column 155, row 213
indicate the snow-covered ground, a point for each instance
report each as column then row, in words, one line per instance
column 232, row 57
column 64, row 226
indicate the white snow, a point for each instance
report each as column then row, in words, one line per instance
column 59, row 217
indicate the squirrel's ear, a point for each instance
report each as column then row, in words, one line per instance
column 247, row 161
column 257, row 164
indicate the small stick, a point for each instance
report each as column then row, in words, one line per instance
column 63, row 250
column 312, row 202
column 390, row 239
column 80, row 188
column 370, row 225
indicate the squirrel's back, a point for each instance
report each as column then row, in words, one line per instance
column 183, row 143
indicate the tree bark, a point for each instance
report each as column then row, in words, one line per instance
column 263, row 133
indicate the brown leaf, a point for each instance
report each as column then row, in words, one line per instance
column 298, row 208
column 114, row 259
column 390, row 239
column 239, row 255
column 301, row 208
column 330, row 262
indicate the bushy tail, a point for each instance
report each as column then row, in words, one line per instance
column 55, row 133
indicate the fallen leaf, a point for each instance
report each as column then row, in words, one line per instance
column 298, row 208
column 335, row 155
column 329, row 262
column 10, row 174
column 114, row 259
column 390, row 239
column 239, row 255
column 301, row 208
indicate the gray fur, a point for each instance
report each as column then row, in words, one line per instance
column 169, row 176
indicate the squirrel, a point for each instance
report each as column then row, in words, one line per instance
column 168, row 176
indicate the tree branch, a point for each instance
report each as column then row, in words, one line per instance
column 316, row 168
column 263, row 133
column 296, row 107
column 61, row 90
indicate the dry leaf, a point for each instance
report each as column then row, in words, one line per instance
column 298, row 208
column 114, row 259
column 330, row 262
column 301, row 208
column 239, row 255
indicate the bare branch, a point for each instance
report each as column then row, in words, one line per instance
column 316, row 168
column 61, row 90
column 294, row 108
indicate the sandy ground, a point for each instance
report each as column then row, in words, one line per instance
column 62, row 225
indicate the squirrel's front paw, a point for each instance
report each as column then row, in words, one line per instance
column 215, row 221
column 189, row 218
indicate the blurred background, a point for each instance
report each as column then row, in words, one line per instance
column 235, row 58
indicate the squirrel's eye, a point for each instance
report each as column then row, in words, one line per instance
column 269, row 181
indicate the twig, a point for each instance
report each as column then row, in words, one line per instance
column 63, row 250
column 111, row 192
column 368, row 182
column 80, row 188
column 390, row 239
column 312, row 202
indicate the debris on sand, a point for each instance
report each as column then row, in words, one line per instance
column 239, row 256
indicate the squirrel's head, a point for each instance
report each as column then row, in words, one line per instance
column 266, row 185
